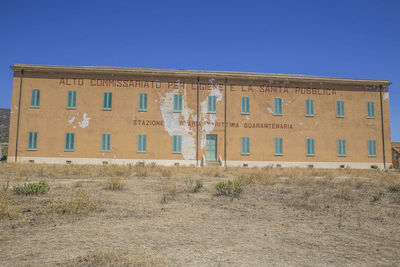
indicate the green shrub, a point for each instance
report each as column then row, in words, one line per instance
column 229, row 188
column 198, row 186
column 31, row 188
column 394, row 188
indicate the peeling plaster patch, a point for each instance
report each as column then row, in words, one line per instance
column 70, row 121
column 247, row 117
column 173, row 126
column 385, row 95
column 155, row 100
column 133, row 117
column 300, row 123
column 85, row 122
column 269, row 110
column 74, row 127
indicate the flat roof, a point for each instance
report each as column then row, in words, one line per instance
column 195, row 73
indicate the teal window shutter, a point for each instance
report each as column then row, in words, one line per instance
column 177, row 103
column 177, row 144
column 340, row 109
column 278, row 146
column 107, row 101
column 246, row 145
column 341, row 147
column 35, row 98
column 143, row 102
column 277, row 106
column 71, row 101
column 310, row 148
column 141, row 143
column 69, row 141
column 371, row 148
column 309, row 107
column 370, row 110
column 105, row 142
column 245, row 105
column 32, row 140
column 212, row 104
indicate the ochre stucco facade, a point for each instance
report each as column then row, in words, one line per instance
column 88, row 121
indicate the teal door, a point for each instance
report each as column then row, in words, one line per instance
column 211, row 147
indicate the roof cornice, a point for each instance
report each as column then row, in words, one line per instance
column 195, row 73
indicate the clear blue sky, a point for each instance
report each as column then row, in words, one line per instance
column 354, row 39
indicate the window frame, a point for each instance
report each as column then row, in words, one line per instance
column 105, row 142
column 339, row 109
column 309, row 108
column 32, row 141
column 278, row 110
column 370, row 112
column 177, row 103
column 143, row 102
column 341, row 147
column 310, row 147
column 35, row 98
column 372, row 148
column 278, row 146
column 177, row 144
column 107, row 101
column 68, row 138
column 212, row 104
column 245, row 105
column 71, row 99
column 141, row 143
column 245, row 146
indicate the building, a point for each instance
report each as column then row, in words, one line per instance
column 396, row 154
column 99, row 115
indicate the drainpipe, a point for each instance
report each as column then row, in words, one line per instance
column 383, row 129
column 19, row 112
column 225, row 127
column 197, row 123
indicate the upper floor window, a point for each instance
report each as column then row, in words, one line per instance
column 340, row 109
column 143, row 102
column 277, row 106
column 71, row 101
column 246, row 145
column 309, row 107
column 105, row 142
column 69, row 141
column 212, row 103
column 107, row 101
column 370, row 110
column 177, row 103
column 32, row 140
column 35, row 98
column 245, row 105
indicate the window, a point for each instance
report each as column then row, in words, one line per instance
column 177, row 103
column 32, row 141
column 371, row 148
column 177, row 144
column 35, row 98
column 246, row 145
column 310, row 148
column 341, row 148
column 105, row 142
column 245, row 105
column 69, row 141
column 143, row 102
column 71, row 101
column 309, row 108
column 278, row 147
column 277, row 106
column 141, row 143
column 370, row 110
column 107, row 101
column 212, row 103
column 340, row 109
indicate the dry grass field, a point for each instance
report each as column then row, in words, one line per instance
column 158, row 216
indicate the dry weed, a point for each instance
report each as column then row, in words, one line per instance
column 80, row 204
column 169, row 191
column 114, row 183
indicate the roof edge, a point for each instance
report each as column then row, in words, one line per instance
column 194, row 73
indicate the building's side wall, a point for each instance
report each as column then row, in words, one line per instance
column 124, row 122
